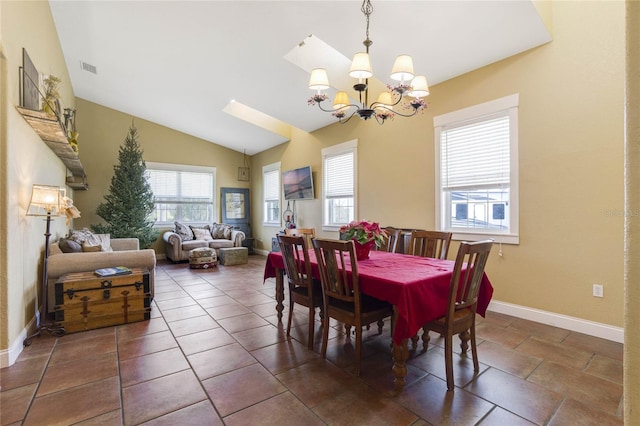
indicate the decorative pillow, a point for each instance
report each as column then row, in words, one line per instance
column 184, row 231
column 105, row 242
column 201, row 234
column 221, row 231
column 69, row 246
column 85, row 235
column 87, row 247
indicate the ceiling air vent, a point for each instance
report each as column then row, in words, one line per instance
column 88, row 67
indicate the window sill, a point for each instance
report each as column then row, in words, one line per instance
column 478, row 236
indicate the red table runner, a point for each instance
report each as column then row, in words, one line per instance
column 417, row 286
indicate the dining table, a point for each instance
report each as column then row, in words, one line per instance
column 417, row 287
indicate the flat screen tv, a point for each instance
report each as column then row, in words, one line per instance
column 298, row 184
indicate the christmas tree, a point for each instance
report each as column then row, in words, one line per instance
column 129, row 204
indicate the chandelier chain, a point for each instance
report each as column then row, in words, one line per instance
column 367, row 9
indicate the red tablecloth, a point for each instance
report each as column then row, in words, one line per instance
column 417, row 286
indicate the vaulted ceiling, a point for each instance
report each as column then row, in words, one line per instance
column 182, row 64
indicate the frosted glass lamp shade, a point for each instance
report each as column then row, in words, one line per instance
column 360, row 66
column 419, row 87
column 341, row 100
column 402, row 68
column 318, row 79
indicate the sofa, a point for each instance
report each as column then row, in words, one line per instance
column 118, row 252
column 182, row 239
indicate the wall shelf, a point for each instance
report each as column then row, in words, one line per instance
column 51, row 132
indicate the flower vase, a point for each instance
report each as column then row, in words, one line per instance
column 362, row 250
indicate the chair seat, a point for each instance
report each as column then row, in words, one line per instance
column 372, row 309
column 461, row 318
column 304, row 294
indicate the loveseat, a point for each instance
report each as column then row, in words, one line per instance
column 180, row 240
column 124, row 252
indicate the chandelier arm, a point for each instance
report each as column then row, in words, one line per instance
column 342, row 121
column 335, row 110
column 415, row 111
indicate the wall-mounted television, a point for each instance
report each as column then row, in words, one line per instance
column 298, row 184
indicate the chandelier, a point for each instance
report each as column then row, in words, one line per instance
column 382, row 109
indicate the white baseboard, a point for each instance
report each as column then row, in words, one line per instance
column 579, row 325
column 9, row 356
column 262, row 252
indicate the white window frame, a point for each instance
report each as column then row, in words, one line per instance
column 270, row 168
column 474, row 113
column 192, row 169
column 332, row 151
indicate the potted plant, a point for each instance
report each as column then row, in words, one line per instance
column 364, row 234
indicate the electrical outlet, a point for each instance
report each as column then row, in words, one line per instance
column 598, row 290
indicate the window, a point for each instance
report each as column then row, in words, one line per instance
column 339, row 183
column 182, row 193
column 477, row 171
column 271, row 194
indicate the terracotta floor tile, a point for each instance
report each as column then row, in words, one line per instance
column 80, row 403
column 501, row 417
column 66, row 375
column 23, row 373
column 72, row 350
column 539, row 330
column 575, row 413
column 264, row 309
column 170, row 295
column 176, row 303
column 239, row 389
column 137, row 329
column 526, row 399
column 155, row 398
column 89, row 334
column 227, row 310
column 281, row 410
column 151, row 366
column 220, row 360
column 429, row 399
column 176, row 314
column 586, row 388
column 204, row 340
column 199, row 414
column 506, row 359
column 498, row 334
column 242, row 322
column 40, row 346
column 192, row 325
column 606, row 368
column 556, row 352
column 112, row 418
column 146, row 344
column 15, row 402
column 260, row 337
column 211, row 302
column 255, row 298
column 283, row 356
column 613, row 350
column 433, row 362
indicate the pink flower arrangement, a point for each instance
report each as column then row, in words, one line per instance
column 364, row 232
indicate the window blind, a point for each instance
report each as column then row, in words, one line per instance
column 476, row 155
column 271, row 185
column 338, row 178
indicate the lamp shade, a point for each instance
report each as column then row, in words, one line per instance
column 318, row 79
column 360, row 66
column 385, row 100
column 402, row 68
column 46, row 199
column 419, row 87
column 341, row 100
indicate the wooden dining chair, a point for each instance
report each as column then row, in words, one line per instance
column 303, row 288
column 392, row 240
column 430, row 244
column 460, row 317
column 341, row 294
column 308, row 233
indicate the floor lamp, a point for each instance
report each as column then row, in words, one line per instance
column 45, row 201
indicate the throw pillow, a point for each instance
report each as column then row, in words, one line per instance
column 221, row 231
column 85, row 235
column 184, row 231
column 69, row 246
column 89, row 248
column 201, row 234
column 105, row 242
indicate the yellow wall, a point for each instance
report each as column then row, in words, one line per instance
column 102, row 132
column 25, row 160
column 571, row 158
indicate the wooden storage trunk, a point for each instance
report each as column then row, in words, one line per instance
column 84, row 301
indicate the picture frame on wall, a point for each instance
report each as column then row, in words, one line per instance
column 235, row 205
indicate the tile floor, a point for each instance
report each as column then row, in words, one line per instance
column 214, row 353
